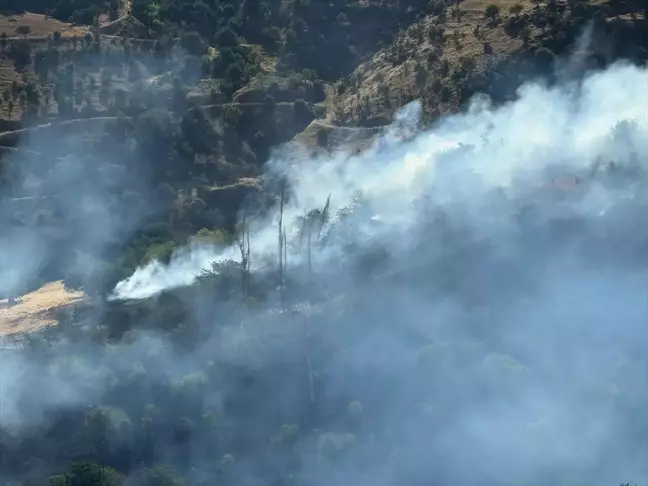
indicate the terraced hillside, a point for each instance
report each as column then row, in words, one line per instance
column 311, row 328
column 480, row 46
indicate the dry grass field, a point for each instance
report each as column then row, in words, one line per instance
column 40, row 26
column 35, row 310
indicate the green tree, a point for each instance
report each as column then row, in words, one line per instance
column 421, row 77
column 303, row 112
column 226, row 38
column 193, row 43
column 41, row 65
column 20, row 52
column 234, row 74
column 23, row 30
column 467, row 63
column 544, row 58
column 491, row 12
column 154, row 134
column 88, row 474
column 232, row 116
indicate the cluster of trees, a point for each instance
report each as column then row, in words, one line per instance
column 200, row 403
column 165, row 166
column 186, row 151
column 326, row 37
column 190, row 151
column 85, row 75
column 547, row 29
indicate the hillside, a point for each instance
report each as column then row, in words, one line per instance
column 488, row 47
column 36, row 27
column 228, row 275
column 224, row 93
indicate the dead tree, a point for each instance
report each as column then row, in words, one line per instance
column 282, row 244
column 244, row 247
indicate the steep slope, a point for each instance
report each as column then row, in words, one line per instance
column 444, row 59
column 426, row 61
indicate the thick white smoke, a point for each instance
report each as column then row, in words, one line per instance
column 506, row 347
column 185, row 265
column 511, row 146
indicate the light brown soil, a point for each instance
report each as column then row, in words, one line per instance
column 348, row 139
column 462, row 43
column 40, row 26
column 35, row 310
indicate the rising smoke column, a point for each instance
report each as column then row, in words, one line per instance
column 463, row 156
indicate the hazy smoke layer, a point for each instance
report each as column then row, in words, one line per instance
column 488, row 298
column 567, row 127
column 186, row 264
column 501, row 341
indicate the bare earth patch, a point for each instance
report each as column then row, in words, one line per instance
column 346, row 139
column 35, row 310
column 39, row 25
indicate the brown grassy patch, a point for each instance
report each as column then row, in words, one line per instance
column 40, row 25
column 35, row 310
column 346, row 139
column 465, row 38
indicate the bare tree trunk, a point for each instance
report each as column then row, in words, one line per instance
column 309, row 253
column 282, row 244
column 309, row 364
column 245, row 258
column 285, row 257
column 248, row 274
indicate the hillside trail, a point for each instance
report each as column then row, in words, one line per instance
column 35, row 310
column 315, row 124
column 112, row 118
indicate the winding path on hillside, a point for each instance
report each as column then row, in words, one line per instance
column 67, row 123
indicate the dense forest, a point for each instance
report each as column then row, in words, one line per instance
column 357, row 328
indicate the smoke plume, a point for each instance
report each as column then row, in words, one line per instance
column 505, row 313
column 480, row 316
column 460, row 161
